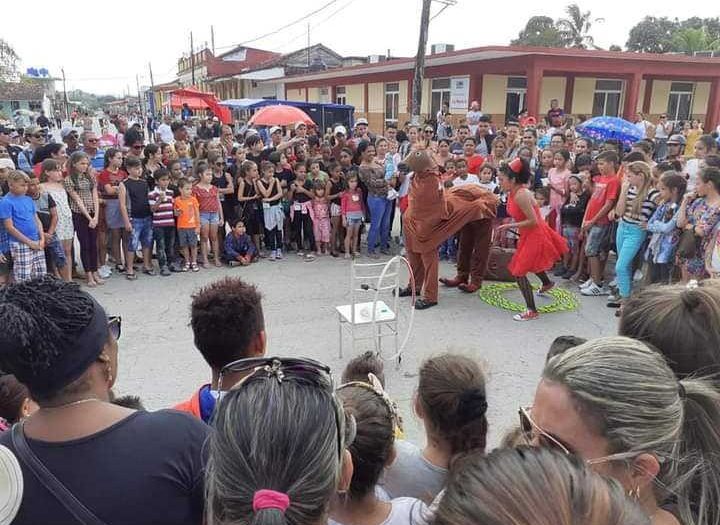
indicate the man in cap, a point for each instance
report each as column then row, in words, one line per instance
column 13, row 150
column 341, row 141
column 90, row 144
column 71, row 139
column 676, row 148
column 35, row 139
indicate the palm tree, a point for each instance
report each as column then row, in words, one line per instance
column 576, row 27
column 691, row 40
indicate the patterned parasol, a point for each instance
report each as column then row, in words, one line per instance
column 600, row 129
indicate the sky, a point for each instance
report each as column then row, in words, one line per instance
column 103, row 48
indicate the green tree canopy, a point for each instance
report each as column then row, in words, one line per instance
column 652, row 35
column 691, row 40
column 576, row 27
column 540, row 31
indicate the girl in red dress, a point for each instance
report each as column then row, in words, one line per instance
column 539, row 246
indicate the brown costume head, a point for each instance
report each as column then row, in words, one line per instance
column 420, row 161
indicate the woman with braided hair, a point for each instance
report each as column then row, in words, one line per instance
column 59, row 342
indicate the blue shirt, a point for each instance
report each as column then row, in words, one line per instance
column 98, row 161
column 21, row 209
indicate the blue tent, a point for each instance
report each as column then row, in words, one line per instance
column 324, row 115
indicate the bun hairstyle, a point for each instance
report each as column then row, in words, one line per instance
column 517, row 170
column 451, row 393
column 13, row 395
column 532, row 486
column 676, row 320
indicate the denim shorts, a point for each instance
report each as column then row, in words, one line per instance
column 55, row 252
column 142, row 233
column 571, row 234
column 596, row 239
column 209, row 217
column 187, row 237
column 354, row 218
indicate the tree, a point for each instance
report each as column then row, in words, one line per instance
column 691, row 40
column 652, row 35
column 576, row 27
column 540, row 31
column 8, row 61
column 615, row 47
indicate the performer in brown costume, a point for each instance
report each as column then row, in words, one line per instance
column 435, row 213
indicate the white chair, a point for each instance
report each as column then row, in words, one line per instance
column 371, row 320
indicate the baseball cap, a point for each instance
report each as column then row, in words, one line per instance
column 11, row 486
column 6, row 130
column 7, row 163
column 275, row 129
column 299, row 124
column 66, row 131
column 676, row 139
column 31, row 130
column 361, row 121
column 340, row 129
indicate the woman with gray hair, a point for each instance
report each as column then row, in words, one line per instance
column 278, row 452
column 524, row 486
column 617, row 404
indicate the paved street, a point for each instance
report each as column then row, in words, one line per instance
column 159, row 363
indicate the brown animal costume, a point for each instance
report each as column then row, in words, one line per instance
column 435, row 213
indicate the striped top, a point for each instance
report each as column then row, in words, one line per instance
column 646, row 210
column 163, row 215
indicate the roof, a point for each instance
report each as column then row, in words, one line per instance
column 255, row 103
column 22, row 90
column 218, row 67
column 496, row 52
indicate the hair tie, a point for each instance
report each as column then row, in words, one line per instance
column 516, row 165
column 681, row 391
column 270, row 499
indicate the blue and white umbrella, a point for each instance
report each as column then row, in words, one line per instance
column 600, row 129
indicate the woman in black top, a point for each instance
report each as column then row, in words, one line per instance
column 571, row 216
column 249, row 208
column 152, row 161
column 124, row 466
column 223, row 181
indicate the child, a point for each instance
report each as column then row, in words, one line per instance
column 557, row 183
column 211, row 215
column 543, row 170
column 334, row 191
column 372, row 451
column 451, row 403
column 596, row 225
column 352, row 215
column 549, row 215
column 463, row 177
column 25, row 231
column 239, row 248
column 321, row 219
column 270, row 190
column 571, row 215
column 182, row 152
column 487, row 178
column 315, row 173
column 187, row 212
column 663, row 229
column 301, row 196
column 449, row 173
column 46, row 209
column 52, row 175
column 137, row 216
column 161, row 204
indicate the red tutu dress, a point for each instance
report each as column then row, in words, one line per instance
column 539, row 246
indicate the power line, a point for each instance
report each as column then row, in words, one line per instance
column 304, row 33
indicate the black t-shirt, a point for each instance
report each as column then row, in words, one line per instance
column 286, row 178
column 137, row 198
column 257, row 159
column 144, row 470
column 572, row 214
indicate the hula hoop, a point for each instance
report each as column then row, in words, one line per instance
column 494, row 295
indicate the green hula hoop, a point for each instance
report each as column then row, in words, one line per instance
column 494, row 295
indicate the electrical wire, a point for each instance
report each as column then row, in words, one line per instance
column 443, row 8
column 304, row 33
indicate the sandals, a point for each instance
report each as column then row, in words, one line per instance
column 422, row 304
column 131, row 276
column 194, row 267
column 119, row 268
column 149, row 271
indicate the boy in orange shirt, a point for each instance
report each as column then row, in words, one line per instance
column 187, row 211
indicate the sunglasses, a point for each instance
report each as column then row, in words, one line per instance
column 115, row 326
column 300, row 370
column 137, row 146
column 37, row 135
column 531, row 431
column 219, row 163
column 428, row 131
column 92, row 140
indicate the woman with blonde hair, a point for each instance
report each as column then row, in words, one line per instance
column 615, row 403
column 636, row 204
column 522, row 486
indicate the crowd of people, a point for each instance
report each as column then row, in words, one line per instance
column 191, row 193
column 622, row 430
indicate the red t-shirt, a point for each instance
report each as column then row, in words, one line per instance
column 108, row 177
column 208, row 199
column 605, row 188
column 475, row 163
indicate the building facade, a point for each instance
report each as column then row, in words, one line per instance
column 505, row 80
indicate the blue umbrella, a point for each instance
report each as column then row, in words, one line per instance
column 603, row 128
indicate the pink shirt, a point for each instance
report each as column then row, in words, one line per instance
column 558, row 180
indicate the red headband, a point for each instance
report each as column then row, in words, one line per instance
column 270, row 499
column 515, row 165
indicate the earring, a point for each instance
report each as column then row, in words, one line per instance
column 108, row 373
column 634, row 494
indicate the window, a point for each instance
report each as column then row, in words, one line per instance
column 34, row 105
column 324, row 95
column 515, row 94
column 340, row 95
column 14, row 104
column 606, row 101
column 392, row 102
column 680, row 100
column 439, row 95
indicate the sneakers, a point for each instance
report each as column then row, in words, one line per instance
column 278, row 254
column 273, row 255
column 233, row 264
column 165, row 271
column 594, row 290
column 527, row 315
column 586, row 283
column 105, row 271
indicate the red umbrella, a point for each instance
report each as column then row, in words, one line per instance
column 279, row 116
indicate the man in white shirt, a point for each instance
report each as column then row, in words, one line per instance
column 473, row 116
column 164, row 132
column 662, row 132
column 642, row 124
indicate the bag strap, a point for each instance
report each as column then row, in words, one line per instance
column 68, row 500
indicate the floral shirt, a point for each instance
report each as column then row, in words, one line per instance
column 665, row 234
column 700, row 213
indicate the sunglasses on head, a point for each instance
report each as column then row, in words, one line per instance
column 115, row 326
column 298, row 369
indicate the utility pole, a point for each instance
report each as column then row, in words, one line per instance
column 420, row 63
column 152, row 90
column 212, row 39
column 65, row 99
column 308, row 46
column 140, row 100
column 192, row 59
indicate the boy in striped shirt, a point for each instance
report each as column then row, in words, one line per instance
column 161, row 204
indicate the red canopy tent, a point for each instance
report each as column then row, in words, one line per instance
column 197, row 99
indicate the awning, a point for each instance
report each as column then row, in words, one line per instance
column 177, row 101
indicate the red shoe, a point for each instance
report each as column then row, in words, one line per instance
column 454, row 282
column 527, row 315
column 469, row 288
